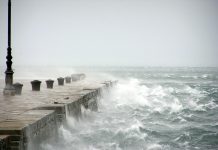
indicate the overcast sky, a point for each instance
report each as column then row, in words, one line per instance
column 112, row 32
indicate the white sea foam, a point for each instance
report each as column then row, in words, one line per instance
column 150, row 116
column 157, row 97
column 154, row 147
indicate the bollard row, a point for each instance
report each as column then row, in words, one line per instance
column 36, row 84
column 49, row 83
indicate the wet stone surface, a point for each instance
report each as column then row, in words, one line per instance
column 25, row 115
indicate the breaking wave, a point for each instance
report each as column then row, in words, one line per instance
column 147, row 114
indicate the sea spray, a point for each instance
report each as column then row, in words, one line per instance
column 151, row 109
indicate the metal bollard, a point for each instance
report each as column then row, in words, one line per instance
column 60, row 81
column 49, row 83
column 36, row 85
column 18, row 88
column 75, row 77
column 68, row 79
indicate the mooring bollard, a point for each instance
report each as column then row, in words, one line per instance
column 68, row 79
column 18, row 88
column 82, row 76
column 74, row 77
column 36, row 85
column 77, row 77
column 49, row 83
column 60, row 81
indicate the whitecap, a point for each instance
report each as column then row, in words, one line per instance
column 154, row 147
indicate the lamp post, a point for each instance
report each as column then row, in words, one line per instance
column 9, row 89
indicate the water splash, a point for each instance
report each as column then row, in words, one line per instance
column 153, row 115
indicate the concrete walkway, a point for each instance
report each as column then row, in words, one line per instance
column 20, row 111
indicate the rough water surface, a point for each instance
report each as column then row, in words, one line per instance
column 149, row 109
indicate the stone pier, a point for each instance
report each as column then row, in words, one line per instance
column 35, row 116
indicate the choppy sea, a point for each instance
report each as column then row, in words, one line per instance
column 149, row 109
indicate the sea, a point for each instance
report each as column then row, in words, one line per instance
column 150, row 108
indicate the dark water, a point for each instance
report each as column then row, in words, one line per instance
column 149, row 109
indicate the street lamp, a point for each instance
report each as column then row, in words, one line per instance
column 9, row 89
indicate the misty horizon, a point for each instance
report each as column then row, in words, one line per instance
column 170, row 33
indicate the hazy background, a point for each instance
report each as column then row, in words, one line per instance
column 111, row 32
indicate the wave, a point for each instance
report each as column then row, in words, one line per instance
column 146, row 115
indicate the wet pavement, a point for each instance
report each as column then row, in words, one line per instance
column 18, row 111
